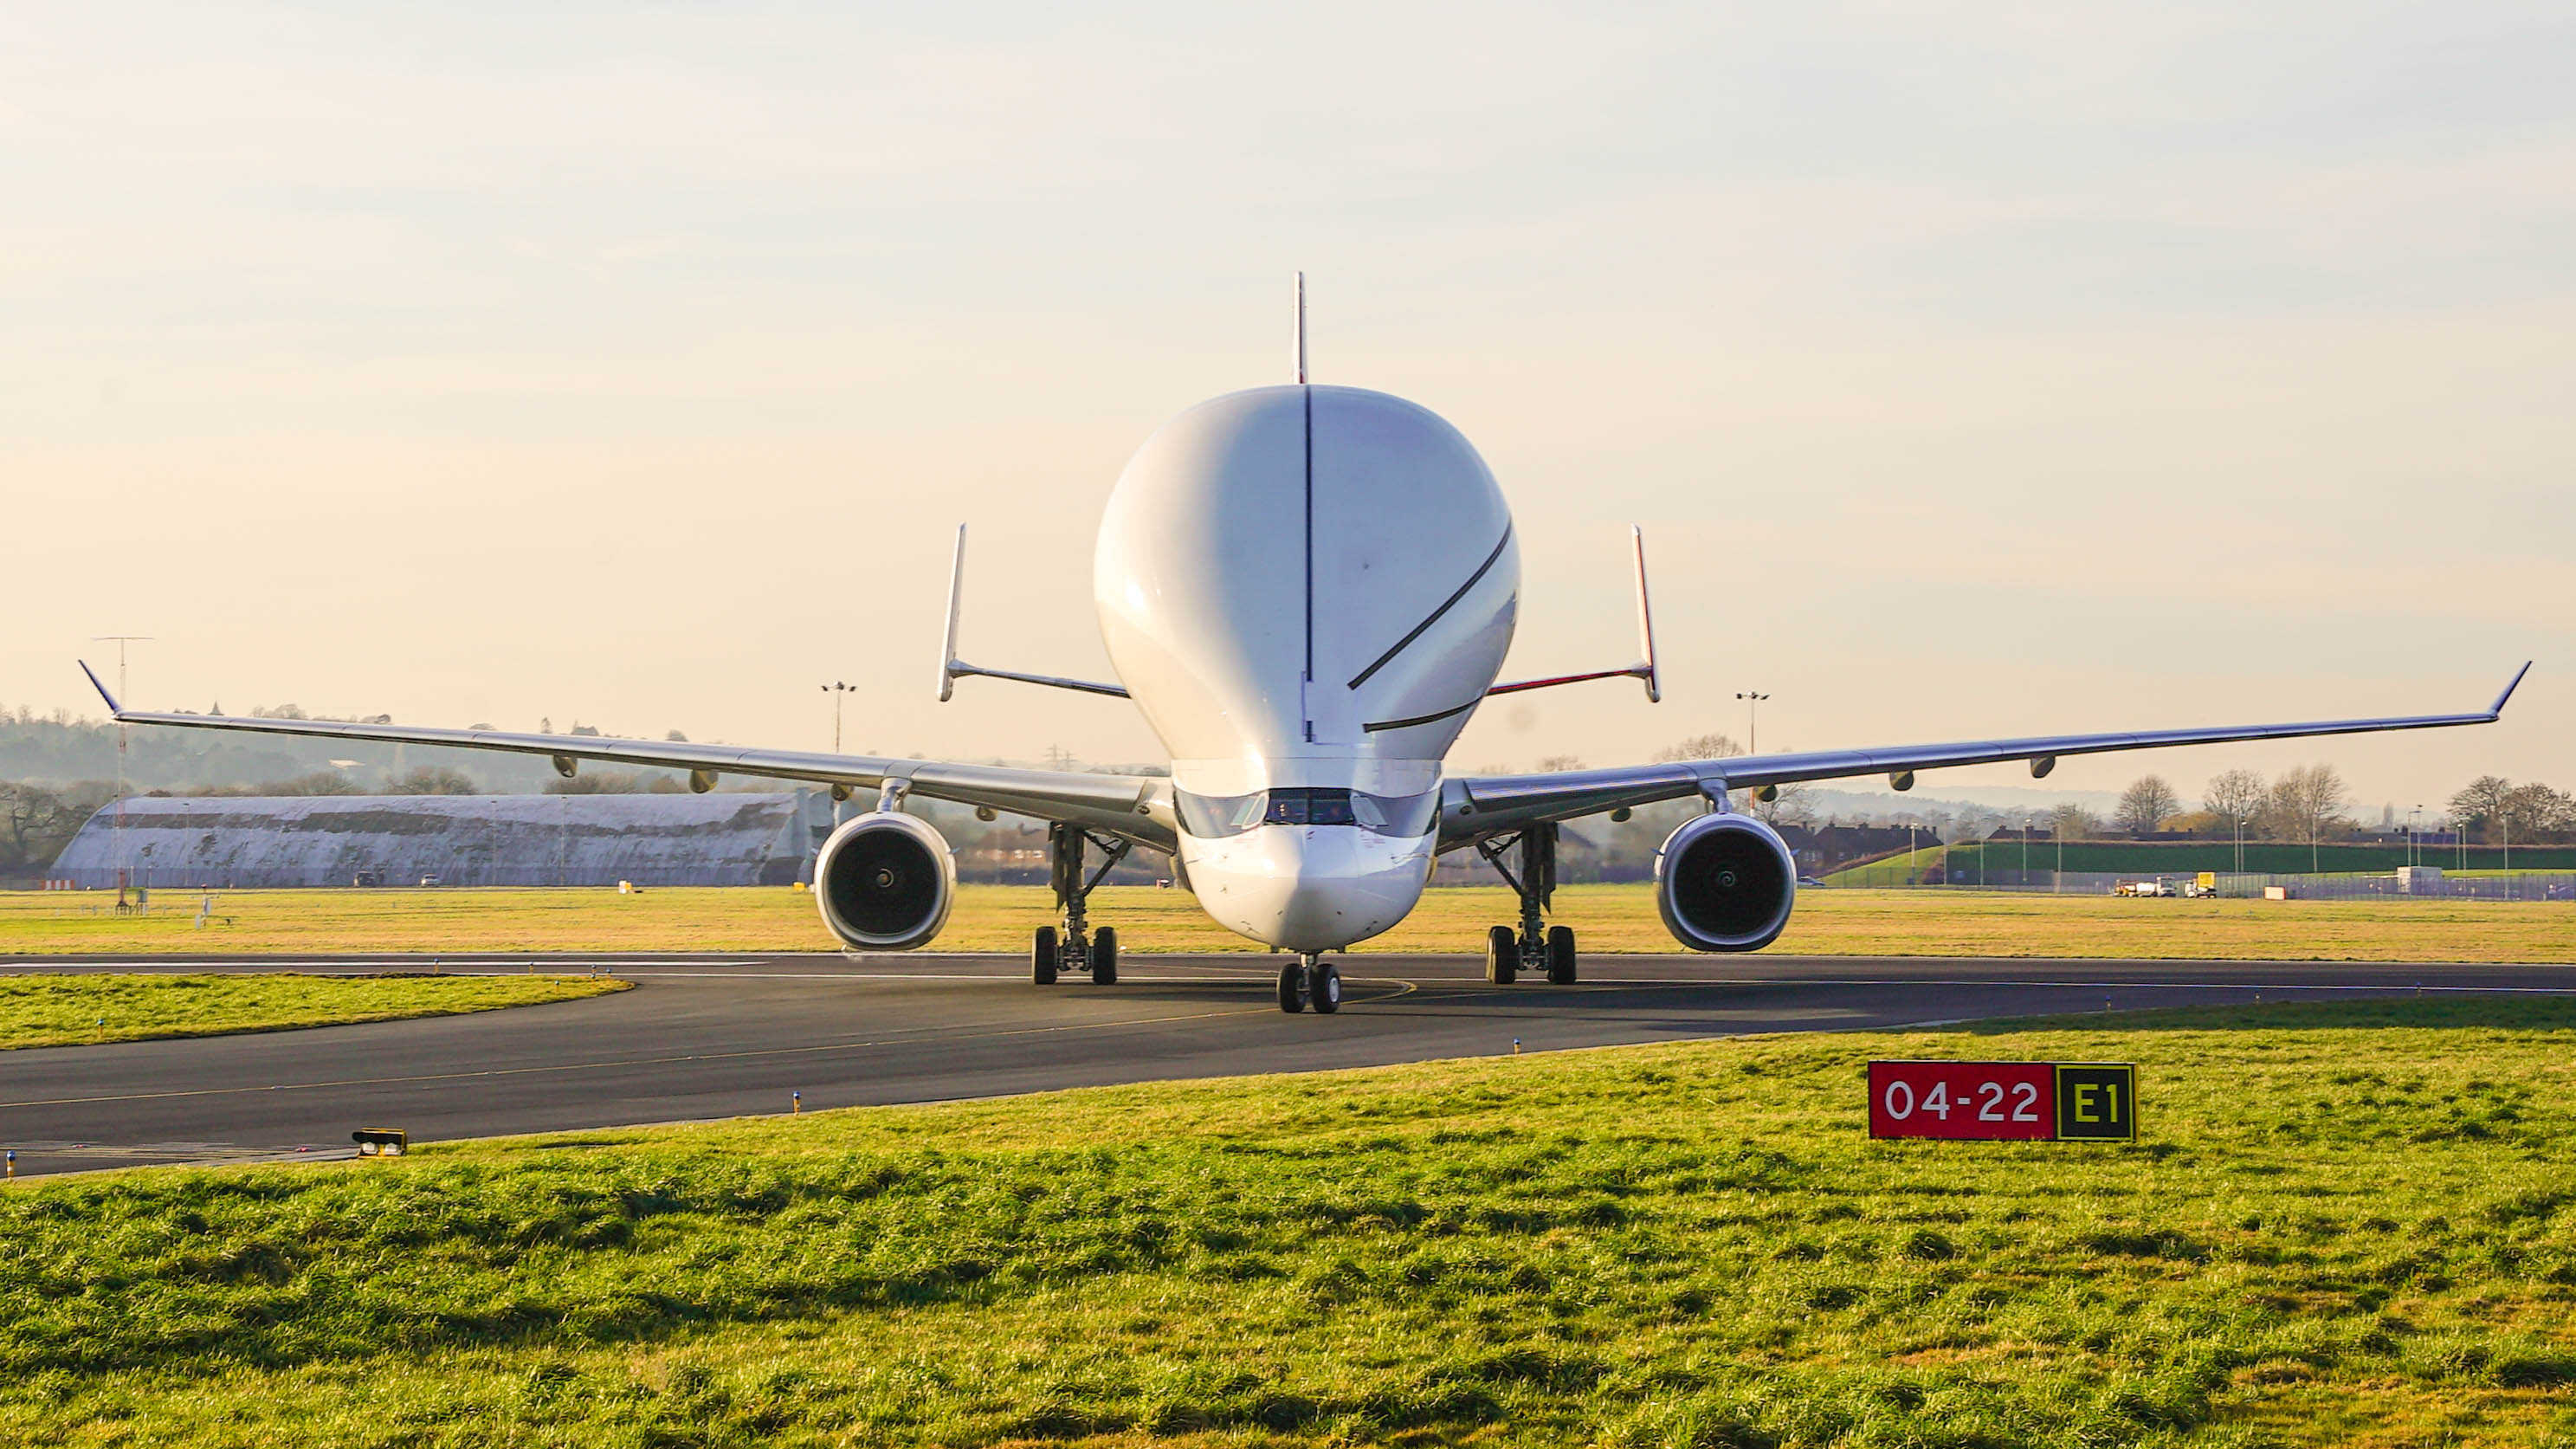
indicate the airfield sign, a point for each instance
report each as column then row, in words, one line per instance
column 2005, row 1101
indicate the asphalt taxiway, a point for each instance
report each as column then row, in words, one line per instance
column 719, row 1036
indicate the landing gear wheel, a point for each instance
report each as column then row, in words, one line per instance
column 1502, row 955
column 1324, row 987
column 1043, row 956
column 1104, row 956
column 1292, row 987
column 1560, row 955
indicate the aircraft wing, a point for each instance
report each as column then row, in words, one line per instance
column 1134, row 807
column 1480, row 806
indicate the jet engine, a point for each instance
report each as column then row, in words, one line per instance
column 884, row 882
column 1725, row 883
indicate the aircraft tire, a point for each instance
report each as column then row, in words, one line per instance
column 1324, row 988
column 1043, row 956
column 1292, row 987
column 1502, row 955
column 1104, row 956
column 1560, row 955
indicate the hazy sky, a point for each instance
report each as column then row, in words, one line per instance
column 1973, row 370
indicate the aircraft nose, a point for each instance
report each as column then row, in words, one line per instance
column 1308, row 888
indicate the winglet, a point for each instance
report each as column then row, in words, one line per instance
column 114, row 709
column 1645, row 622
column 2498, row 708
column 948, row 670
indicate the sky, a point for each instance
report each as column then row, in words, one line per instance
column 1973, row 370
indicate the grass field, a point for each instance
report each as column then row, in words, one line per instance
column 42, row 1011
column 2347, row 1224
column 1900, row 869
column 1832, row 922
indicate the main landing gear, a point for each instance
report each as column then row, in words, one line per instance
column 1536, row 946
column 1310, row 981
column 1077, row 947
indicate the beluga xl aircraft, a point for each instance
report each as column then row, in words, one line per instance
column 1308, row 591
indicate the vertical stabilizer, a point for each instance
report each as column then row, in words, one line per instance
column 1301, row 329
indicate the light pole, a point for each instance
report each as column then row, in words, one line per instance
column 838, row 693
column 2240, row 845
column 1752, row 720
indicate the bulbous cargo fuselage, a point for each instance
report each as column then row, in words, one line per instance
column 1307, row 590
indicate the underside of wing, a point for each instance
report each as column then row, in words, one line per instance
column 1132, row 807
column 1481, row 806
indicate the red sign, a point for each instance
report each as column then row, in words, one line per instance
column 2001, row 1101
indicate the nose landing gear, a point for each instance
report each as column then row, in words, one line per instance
column 1536, row 945
column 1077, row 948
column 1310, row 981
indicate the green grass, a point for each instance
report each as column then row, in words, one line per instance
column 2347, row 1224
column 43, row 1011
column 1905, row 868
column 1611, row 919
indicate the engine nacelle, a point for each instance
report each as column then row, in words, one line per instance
column 1725, row 883
column 885, row 881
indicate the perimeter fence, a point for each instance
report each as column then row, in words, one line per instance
column 2486, row 886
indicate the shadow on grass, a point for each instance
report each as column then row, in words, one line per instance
column 2446, row 1012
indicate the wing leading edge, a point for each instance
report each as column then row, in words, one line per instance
column 1136, row 807
column 1476, row 807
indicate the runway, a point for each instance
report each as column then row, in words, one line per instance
column 719, row 1036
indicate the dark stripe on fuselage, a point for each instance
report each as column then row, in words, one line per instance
column 1420, row 719
column 1445, row 606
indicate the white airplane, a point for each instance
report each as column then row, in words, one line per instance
column 1307, row 590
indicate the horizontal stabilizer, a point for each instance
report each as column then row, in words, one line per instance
column 952, row 668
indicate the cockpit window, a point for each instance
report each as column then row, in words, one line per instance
column 1211, row 817
column 1405, row 816
column 1309, row 805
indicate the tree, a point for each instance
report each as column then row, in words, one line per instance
column 2535, row 808
column 1700, row 747
column 320, row 782
column 37, row 822
column 432, row 780
column 1556, row 763
column 2070, row 821
column 1788, row 805
column 2311, row 799
column 2145, row 804
column 2236, row 795
column 2480, row 801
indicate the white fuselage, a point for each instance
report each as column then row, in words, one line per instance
column 1307, row 590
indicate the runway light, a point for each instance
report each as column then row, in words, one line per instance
column 1516, row 1046
column 798, row 1101
column 13, row 1164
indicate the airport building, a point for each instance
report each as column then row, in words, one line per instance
column 253, row 842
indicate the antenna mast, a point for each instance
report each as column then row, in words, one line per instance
column 1301, row 329
column 121, row 641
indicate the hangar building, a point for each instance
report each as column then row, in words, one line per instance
column 251, row 842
